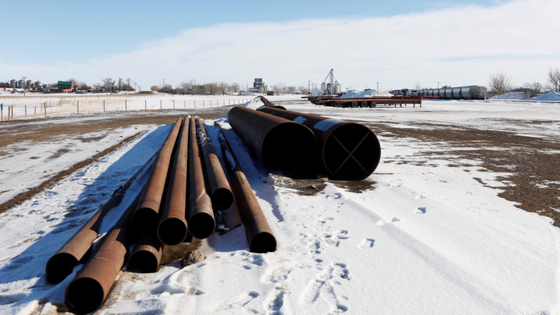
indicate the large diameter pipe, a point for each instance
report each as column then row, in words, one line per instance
column 200, row 216
column 172, row 228
column 259, row 234
column 91, row 285
column 348, row 150
column 218, row 185
column 283, row 146
column 146, row 216
column 76, row 250
column 146, row 255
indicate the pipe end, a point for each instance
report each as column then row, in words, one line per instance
column 172, row 231
column 263, row 242
column 202, row 225
column 60, row 266
column 222, row 199
column 143, row 262
column 84, row 295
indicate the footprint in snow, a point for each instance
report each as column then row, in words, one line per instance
column 420, row 210
column 333, row 196
column 366, row 243
column 239, row 301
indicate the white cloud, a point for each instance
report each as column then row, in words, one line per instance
column 455, row 46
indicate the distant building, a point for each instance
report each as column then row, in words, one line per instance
column 66, row 86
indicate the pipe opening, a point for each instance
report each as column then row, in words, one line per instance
column 172, row 231
column 145, row 220
column 222, row 199
column 201, row 225
column 352, row 152
column 143, row 261
column 84, row 295
column 263, row 242
column 291, row 150
column 60, row 266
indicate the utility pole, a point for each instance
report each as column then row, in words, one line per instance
column 24, row 85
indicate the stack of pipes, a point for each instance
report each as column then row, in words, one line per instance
column 290, row 143
column 186, row 185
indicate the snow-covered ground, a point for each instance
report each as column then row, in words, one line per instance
column 32, row 106
column 422, row 239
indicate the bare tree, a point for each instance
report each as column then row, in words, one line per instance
column 534, row 88
column 279, row 88
column 500, row 83
column 554, row 79
column 235, row 86
column 108, row 83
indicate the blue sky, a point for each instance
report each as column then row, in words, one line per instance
column 94, row 40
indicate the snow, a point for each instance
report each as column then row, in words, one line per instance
column 551, row 96
column 422, row 240
column 366, row 93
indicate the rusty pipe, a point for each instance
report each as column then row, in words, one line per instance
column 283, row 146
column 78, row 248
column 259, row 234
column 91, row 285
column 347, row 150
column 146, row 255
column 146, row 216
column 200, row 216
column 172, row 228
column 218, row 185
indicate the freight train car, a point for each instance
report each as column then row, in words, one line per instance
column 471, row 92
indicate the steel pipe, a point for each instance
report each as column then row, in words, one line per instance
column 146, row 216
column 200, row 216
column 259, row 234
column 91, row 285
column 218, row 185
column 347, row 150
column 172, row 228
column 283, row 146
column 146, row 256
column 78, row 248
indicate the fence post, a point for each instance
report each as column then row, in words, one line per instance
column 78, row 106
column 103, row 105
column 160, row 104
column 35, row 107
column 194, row 104
column 45, row 109
column 185, row 104
column 173, row 104
column 2, row 111
column 202, row 103
column 25, row 110
column 145, row 104
column 125, row 105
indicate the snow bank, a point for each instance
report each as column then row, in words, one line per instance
column 368, row 93
column 509, row 96
column 552, row 96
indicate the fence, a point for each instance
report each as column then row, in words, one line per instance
column 79, row 105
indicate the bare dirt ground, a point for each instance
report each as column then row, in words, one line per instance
column 532, row 164
column 44, row 130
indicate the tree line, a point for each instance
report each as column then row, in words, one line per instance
column 501, row 83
